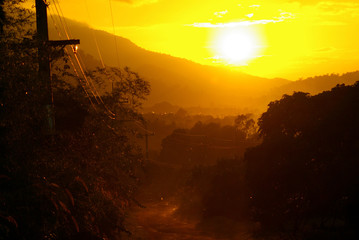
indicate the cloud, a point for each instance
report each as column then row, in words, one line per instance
column 283, row 17
column 338, row 8
column 306, row 2
column 325, row 50
column 127, row 1
column 315, row 2
column 221, row 14
column 331, row 23
column 233, row 24
column 137, row 2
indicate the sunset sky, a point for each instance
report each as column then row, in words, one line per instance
column 269, row 38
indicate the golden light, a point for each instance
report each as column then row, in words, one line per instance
column 75, row 48
column 236, row 47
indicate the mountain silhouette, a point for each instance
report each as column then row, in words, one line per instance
column 317, row 84
column 176, row 80
column 186, row 83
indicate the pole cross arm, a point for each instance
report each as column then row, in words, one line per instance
column 57, row 43
column 51, row 43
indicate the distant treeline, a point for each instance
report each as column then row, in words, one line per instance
column 300, row 182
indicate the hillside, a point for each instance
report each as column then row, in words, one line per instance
column 178, row 81
column 317, row 84
column 188, row 84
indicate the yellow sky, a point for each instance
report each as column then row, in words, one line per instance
column 290, row 39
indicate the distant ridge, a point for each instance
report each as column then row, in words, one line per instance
column 318, row 84
column 176, row 80
column 188, row 84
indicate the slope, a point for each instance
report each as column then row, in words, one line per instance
column 178, row 81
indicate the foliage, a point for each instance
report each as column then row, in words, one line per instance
column 163, row 124
column 303, row 177
column 207, row 143
column 77, row 183
column 216, row 191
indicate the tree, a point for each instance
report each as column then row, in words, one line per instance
column 303, row 175
column 78, row 183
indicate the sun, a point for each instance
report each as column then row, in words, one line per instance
column 236, row 47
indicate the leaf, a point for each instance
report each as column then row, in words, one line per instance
column 64, row 207
column 76, row 225
column 54, row 185
column 12, row 220
column 54, row 203
column 70, row 196
column 82, row 182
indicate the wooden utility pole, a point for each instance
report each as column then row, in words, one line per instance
column 147, row 158
column 44, row 46
column 2, row 16
column 147, row 134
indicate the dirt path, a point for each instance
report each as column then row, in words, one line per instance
column 158, row 221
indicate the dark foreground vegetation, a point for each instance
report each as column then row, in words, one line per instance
column 75, row 182
column 303, row 179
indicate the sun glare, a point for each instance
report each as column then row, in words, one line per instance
column 236, row 47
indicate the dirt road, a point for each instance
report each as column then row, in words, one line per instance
column 158, row 221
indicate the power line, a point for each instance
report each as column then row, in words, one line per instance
column 201, row 144
column 90, row 84
column 114, row 33
column 97, row 95
column 67, row 34
column 59, row 16
column 94, row 36
column 73, row 65
column 189, row 135
column 142, row 127
column 83, row 73
column 97, row 46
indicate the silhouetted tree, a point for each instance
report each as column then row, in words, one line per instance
column 80, row 181
column 205, row 143
column 302, row 177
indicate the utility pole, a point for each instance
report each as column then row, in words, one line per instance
column 146, row 143
column 147, row 134
column 2, row 16
column 44, row 46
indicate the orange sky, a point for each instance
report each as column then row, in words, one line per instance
column 270, row 38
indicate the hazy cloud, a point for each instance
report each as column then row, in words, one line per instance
column 221, row 14
column 234, row 24
column 338, row 8
column 307, row 2
column 331, row 23
column 325, row 49
column 314, row 2
column 127, row 1
column 283, row 17
column 137, row 2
